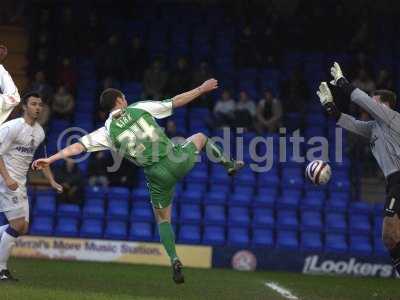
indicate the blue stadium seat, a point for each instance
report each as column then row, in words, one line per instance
column 140, row 194
column 289, row 199
column 214, row 214
column 189, row 234
column 339, row 196
column 238, row 215
column 312, row 203
column 118, row 209
column 66, row 227
column 190, row 213
column 218, row 175
column 93, row 209
column 95, row 192
column 238, row 236
column 311, row 220
column 245, row 177
column 359, row 224
column 217, row 194
column 360, row 207
column 311, row 241
column 214, row 235
column 45, row 206
column 194, row 193
column 92, row 228
column 336, row 205
column 142, row 211
column 263, row 237
column 378, row 223
column 42, row 226
column 335, row 243
column 141, row 231
column 268, row 179
column 199, row 174
column 287, row 219
column 115, row 230
column 378, row 209
column 263, row 217
column 360, row 244
column 69, row 210
column 292, row 178
column 119, row 193
column 241, row 196
column 339, row 184
column 287, row 239
column 266, row 197
column 379, row 247
column 335, row 222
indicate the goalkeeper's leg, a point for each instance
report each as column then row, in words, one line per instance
column 201, row 141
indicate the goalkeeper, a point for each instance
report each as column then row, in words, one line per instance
column 133, row 132
column 383, row 133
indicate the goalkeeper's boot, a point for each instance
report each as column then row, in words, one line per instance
column 236, row 166
column 177, row 272
column 5, row 275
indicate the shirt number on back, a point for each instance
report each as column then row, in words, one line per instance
column 140, row 130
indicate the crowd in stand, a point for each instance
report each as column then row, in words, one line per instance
column 57, row 43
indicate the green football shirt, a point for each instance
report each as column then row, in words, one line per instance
column 134, row 133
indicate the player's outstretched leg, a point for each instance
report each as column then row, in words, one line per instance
column 167, row 237
column 16, row 228
column 201, row 141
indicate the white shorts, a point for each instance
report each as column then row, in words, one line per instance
column 14, row 204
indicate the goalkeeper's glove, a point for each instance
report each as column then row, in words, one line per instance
column 326, row 99
column 340, row 81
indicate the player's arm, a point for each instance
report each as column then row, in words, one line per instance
column 92, row 142
column 9, row 98
column 71, row 150
column 7, row 136
column 378, row 111
column 187, row 97
column 54, row 184
column 343, row 120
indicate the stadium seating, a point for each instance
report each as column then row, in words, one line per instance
column 92, row 228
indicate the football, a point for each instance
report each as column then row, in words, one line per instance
column 318, row 172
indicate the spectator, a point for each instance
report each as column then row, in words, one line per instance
column 63, row 103
column 70, row 177
column 384, row 80
column 179, row 79
column 245, row 111
column 124, row 176
column 246, row 53
column 110, row 58
column 201, row 74
column 44, row 116
column 97, row 170
column 136, row 59
column 66, row 75
column 294, row 92
column 269, row 113
column 364, row 82
column 155, row 80
column 41, row 86
column 224, row 110
column 171, row 131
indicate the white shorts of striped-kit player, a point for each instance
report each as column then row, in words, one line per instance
column 14, row 204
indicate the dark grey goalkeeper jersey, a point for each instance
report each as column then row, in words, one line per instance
column 383, row 132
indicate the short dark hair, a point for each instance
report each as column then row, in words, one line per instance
column 26, row 96
column 108, row 98
column 386, row 96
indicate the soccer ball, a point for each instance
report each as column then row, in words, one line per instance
column 318, row 172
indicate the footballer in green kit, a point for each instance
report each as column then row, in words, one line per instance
column 133, row 132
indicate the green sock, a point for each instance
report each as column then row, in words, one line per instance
column 219, row 154
column 167, row 237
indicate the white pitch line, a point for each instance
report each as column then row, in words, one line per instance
column 282, row 291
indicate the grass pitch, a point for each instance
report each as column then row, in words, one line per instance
column 45, row 280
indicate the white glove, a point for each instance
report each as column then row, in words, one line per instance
column 336, row 73
column 324, row 93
